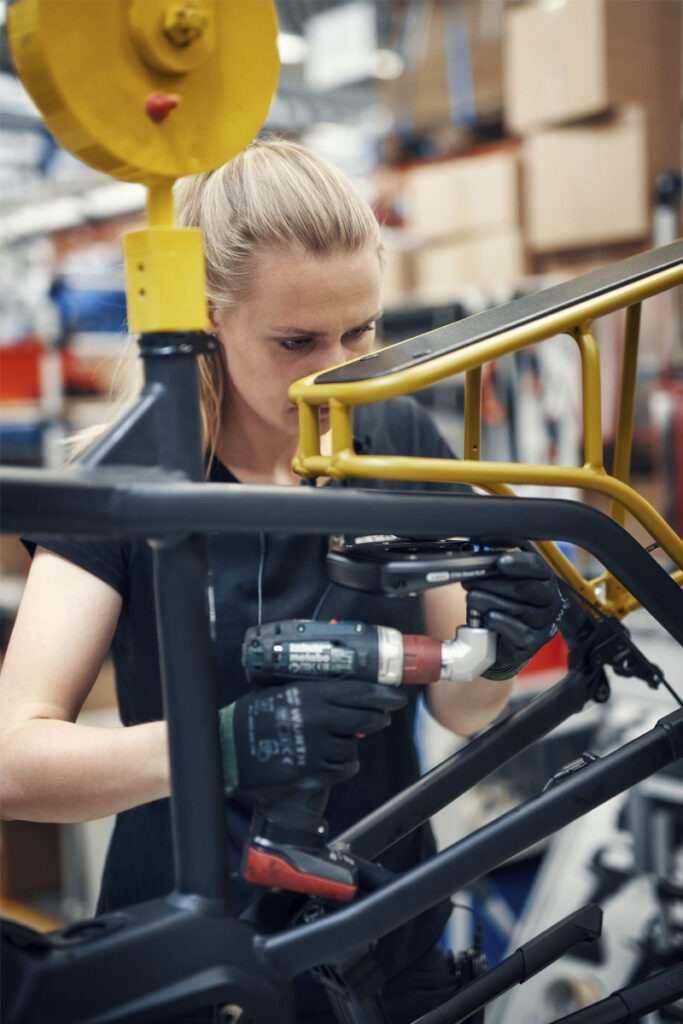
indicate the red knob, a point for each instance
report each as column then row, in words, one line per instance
column 159, row 105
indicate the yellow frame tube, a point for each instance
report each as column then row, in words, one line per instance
column 592, row 397
column 626, row 408
column 472, row 439
column 413, row 378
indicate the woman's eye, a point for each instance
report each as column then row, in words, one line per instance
column 294, row 344
column 304, row 342
column 358, row 332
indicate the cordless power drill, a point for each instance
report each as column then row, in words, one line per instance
column 287, row 839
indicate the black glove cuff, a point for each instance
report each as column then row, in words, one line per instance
column 500, row 674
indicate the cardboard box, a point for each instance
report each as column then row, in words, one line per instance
column 586, row 185
column 544, row 82
column 580, row 58
column 572, row 263
column 453, row 73
column 488, row 261
column 470, row 193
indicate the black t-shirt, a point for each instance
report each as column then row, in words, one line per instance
column 294, row 584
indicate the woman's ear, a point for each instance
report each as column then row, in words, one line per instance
column 213, row 322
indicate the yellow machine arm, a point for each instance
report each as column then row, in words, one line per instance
column 182, row 86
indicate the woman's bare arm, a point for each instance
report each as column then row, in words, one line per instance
column 464, row 708
column 53, row 768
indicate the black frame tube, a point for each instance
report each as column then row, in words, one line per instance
column 483, row 755
column 56, row 504
column 200, row 953
column 584, row 925
column 191, row 710
column 478, row 853
column 188, row 674
column 634, row 1002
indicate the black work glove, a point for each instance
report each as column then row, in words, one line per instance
column 308, row 731
column 523, row 605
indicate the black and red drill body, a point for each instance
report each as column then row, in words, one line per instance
column 287, row 840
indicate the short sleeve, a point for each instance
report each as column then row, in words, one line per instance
column 105, row 559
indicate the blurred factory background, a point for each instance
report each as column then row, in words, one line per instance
column 505, row 145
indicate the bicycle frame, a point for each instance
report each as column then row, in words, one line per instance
column 202, row 954
column 144, row 479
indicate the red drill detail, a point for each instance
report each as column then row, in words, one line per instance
column 421, row 659
column 159, row 105
column 274, row 871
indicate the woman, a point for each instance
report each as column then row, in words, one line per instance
column 294, row 269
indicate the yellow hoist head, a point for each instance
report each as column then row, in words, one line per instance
column 150, row 91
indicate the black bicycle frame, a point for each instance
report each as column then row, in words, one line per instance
column 187, row 950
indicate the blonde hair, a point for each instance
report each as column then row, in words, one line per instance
column 274, row 194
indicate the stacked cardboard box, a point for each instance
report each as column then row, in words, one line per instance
column 594, row 91
column 590, row 97
column 463, row 217
column 453, row 73
column 587, row 185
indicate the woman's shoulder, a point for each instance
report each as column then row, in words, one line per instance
column 109, row 560
column 400, row 425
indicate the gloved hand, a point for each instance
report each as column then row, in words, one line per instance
column 523, row 605
column 276, row 736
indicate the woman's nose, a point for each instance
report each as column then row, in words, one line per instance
column 333, row 355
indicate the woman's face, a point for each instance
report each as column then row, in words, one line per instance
column 304, row 314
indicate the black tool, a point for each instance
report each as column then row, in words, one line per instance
column 297, row 648
column 287, row 839
column 397, row 566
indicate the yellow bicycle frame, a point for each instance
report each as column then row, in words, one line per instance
column 576, row 320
